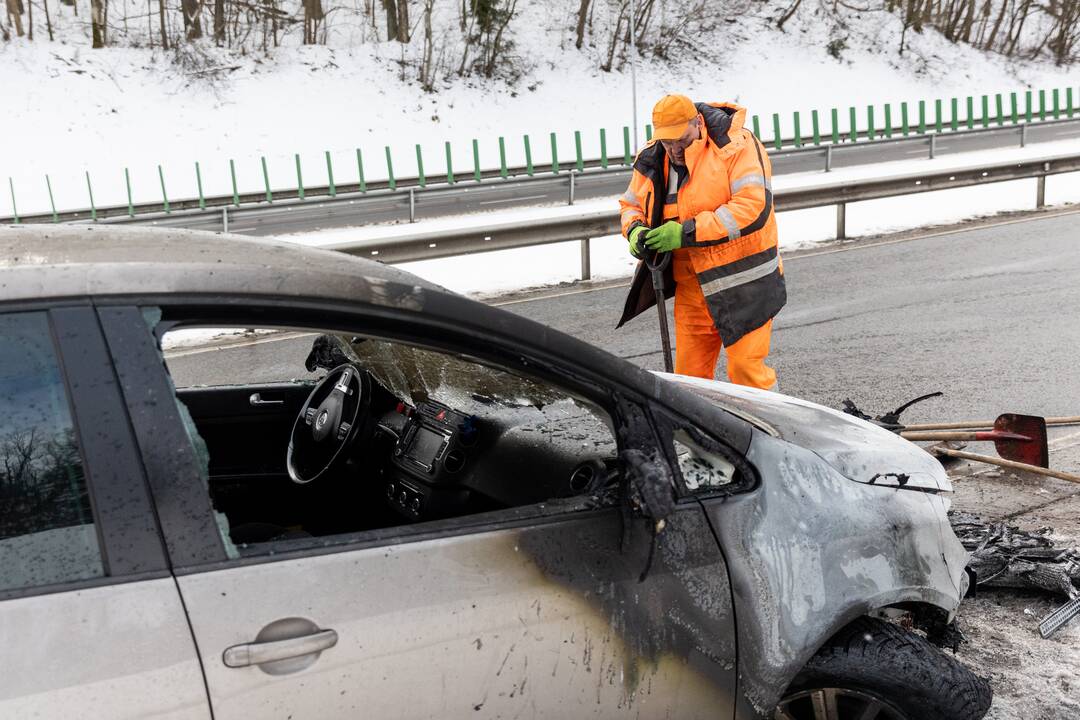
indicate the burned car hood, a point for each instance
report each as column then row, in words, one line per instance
column 859, row 450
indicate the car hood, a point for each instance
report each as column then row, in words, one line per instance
column 859, row 450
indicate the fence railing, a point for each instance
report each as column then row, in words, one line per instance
column 816, row 128
column 583, row 227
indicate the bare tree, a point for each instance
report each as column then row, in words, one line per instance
column 582, row 16
column 15, row 11
column 219, row 22
column 192, row 11
column 97, row 22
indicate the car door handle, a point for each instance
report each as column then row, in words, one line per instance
column 258, row 653
column 256, row 400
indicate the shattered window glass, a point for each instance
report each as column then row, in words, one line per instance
column 701, row 469
column 47, row 532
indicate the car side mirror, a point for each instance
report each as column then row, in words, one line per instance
column 651, row 483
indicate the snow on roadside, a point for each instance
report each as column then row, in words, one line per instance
column 491, row 273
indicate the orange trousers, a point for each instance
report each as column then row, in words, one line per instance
column 697, row 344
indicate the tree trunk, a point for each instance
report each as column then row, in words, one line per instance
column 192, row 10
column 48, row 20
column 403, row 20
column 164, row 32
column 390, row 6
column 791, row 11
column 30, row 20
column 14, row 9
column 97, row 23
column 582, row 15
column 989, row 44
column 219, row 22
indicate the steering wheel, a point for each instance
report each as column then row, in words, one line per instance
column 329, row 422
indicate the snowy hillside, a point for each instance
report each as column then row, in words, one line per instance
column 67, row 110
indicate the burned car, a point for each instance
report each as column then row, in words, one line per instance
column 244, row 479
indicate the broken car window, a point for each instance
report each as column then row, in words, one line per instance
column 701, row 469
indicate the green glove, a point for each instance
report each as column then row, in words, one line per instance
column 665, row 238
column 635, row 240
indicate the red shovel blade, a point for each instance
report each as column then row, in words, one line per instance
column 1030, row 447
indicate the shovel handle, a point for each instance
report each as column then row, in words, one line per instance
column 1005, row 463
column 969, row 435
column 977, row 424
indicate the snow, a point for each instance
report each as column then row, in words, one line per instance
column 491, row 273
column 68, row 110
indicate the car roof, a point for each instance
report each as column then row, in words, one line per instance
column 92, row 260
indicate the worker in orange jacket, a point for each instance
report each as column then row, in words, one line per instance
column 702, row 190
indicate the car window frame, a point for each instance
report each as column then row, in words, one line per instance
column 124, row 323
column 127, row 535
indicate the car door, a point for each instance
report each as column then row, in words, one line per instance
column 547, row 611
column 89, row 615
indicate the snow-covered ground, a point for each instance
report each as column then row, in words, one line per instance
column 67, row 110
column 486, row 274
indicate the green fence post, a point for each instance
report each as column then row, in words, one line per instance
column 164, row 195
column 955, row 114
column 869, row 122
column 603, row 148
column 299, row 178
column 127, row 182
column 554, row 154
column 1027, row 106
column 1042, row 104
column 1013, row 104
column 528, row 157
column 1057, row 105
column 985, row 111
column 648, row 130
column 970, row 112
column 330, row 174
column 360, row 170
column 757, row 127
column 1069, row 101
column 627, row 159
column 1000, row 107
column 777, row 140
column 577, row 146
column 904, row 127
column 888, row 120
column 89, row 190
column 266, row 180
column 835, row 117
column 449, row 165
column 235, row 191
column 420, row 166
column 938, row 113
column 198, row 183
column 55, row 217
column 922, row 117
column 853, row 126
column 798, row 130
column 502, row 157
column 391, row 181
column 815, row 123
column 476, row 159
column 15, row 208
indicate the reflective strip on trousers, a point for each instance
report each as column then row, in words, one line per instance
column 740, row 278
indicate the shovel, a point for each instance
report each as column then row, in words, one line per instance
column 1019, row 438
column 657, row 263
column 960, row 454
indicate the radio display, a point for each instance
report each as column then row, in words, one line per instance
column 425, row 446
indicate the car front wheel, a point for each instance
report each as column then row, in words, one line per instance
column 874, row 670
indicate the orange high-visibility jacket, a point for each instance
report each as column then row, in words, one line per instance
column 729, row 228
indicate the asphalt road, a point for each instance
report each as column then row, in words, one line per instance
column 988, row 315
column 386, row 206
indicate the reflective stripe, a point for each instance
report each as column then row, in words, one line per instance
column 629, row 214
column 631, row 197
column 673, row 182
column 724, row 216
column 730, row 281
column 758, row 180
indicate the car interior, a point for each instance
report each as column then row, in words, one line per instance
column 365, row 433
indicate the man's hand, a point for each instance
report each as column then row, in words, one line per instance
column 635, row 240
column 665, row 238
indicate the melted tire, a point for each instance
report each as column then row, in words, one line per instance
column 884, row 660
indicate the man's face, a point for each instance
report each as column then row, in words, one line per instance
column 676, row 148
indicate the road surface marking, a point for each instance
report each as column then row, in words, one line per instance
column 513, row 199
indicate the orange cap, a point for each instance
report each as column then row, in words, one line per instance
column 671, row 115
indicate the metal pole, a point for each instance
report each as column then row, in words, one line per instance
column 1040, row 190
column 224, row 219
column 412, row 204
column 572, row 176
column 828, row 158
column 1023, row 135
column 586, row 270
column 841, row 221
column 933, row 146
column 633, row 69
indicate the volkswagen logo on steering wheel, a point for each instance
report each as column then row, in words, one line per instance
column 322, row 420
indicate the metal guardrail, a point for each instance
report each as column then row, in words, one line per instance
column 826, row 156
column 425, row 245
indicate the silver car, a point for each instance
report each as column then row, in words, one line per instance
column 245, row 479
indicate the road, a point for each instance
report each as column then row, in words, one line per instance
column 439, row 201
column 985, row 314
